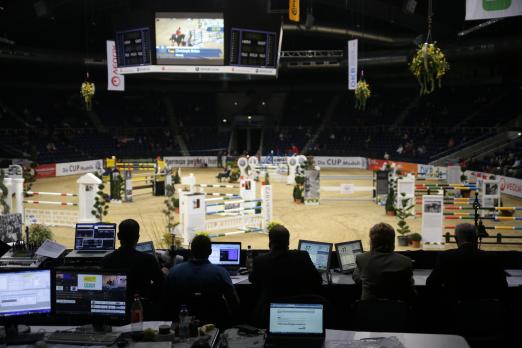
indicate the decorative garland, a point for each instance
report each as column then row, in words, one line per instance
column 429, row 65
column 362, row 93
column 87, row 90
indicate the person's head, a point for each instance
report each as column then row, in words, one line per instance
column 278, row 238
column 466, row 234
column 382, row 238
column 201, row 247
column 128, row 232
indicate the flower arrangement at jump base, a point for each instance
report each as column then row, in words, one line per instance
column 87, row 90
column 362, row 93
column 429, row 66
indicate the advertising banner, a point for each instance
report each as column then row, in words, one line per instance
column 46, row 171
column 485, row 9
column 352, row 64
column 115, row 81
column 191, row 161
column 73, row 168
column 341, row 162
column 432, row 218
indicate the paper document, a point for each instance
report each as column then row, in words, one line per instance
column 50, row 249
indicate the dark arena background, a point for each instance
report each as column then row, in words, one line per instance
column 222, row 117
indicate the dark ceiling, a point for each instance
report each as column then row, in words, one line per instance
column 78, row 29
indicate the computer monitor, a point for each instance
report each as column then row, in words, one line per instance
column 346, row 253
column 226, row 254
column 319, row 253
column 95, row 237
column 146, row 247
column 91, row 294
column 296, row 319
column 25, row 292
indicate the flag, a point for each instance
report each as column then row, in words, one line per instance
column 486, row 9
column 352, row 64
column 293, row 10
column 115, row 81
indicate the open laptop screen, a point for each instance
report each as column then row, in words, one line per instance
column 225, row 254
column 346, row 253
column 95, row 237
column 146, row 247
column 296, row 318
column 319, row 253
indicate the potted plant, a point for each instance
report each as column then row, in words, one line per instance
column 298, row 194
column 101, row 206
column 403, row 212
column 266, row 181
column 234, row 175
column 362, row 93
column 390, row 199
column 415, row 239
column 38, row 234
column 428, row 66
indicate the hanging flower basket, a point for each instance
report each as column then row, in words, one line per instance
column 362, row 93
column 87, row 92
column 429, row 65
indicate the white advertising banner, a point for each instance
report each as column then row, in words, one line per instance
column 427, row 171
column 73, row 168
column 266, row 199
column 509, row 186
column 352, row 64
column 432, row 218
column 485, row 9
column 115, row 81
column 341, row 162
column 191, row 161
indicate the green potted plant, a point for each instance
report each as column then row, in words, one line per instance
column 298, row 194
column 39, row 233
column 415, row 239
column 403, row 212
column 234, row 175
column 389, row 206
column 101, row 206
column 266, row 181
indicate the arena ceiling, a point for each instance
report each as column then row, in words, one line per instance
column 35, row 34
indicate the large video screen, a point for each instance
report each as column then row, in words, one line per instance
column 190, row 38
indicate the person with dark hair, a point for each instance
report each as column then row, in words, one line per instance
column 144, row 274
column 283, row 273
column 467, row 272
column 382, row 273
column 206, row 288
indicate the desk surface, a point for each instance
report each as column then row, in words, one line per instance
column 419, row 276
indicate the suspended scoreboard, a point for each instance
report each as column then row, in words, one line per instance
column 133, row 47
column 253, row 48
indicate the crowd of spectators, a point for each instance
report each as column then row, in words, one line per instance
column 507, row 162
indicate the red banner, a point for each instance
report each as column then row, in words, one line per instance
column 377, row 164
column 46, row 171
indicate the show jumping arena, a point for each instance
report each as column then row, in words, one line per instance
column 331, row 221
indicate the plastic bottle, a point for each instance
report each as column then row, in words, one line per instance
column 136, row 314
column 249, row 262
column 184, row 322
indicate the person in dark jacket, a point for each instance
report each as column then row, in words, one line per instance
column 382, row 273
column 467, row 272
column 283, row 273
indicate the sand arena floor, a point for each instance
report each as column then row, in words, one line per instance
column 332, row 221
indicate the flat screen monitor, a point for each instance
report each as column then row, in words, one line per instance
column 91, row 293
column 225, row 254
column 346, row 253
column 296, row 319
column 25, row 292
column 190, row 38
column 95, row 237
column 319, row 253
column 146, row 247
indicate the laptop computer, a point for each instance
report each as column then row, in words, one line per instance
column 93, row 240
column 346, row 253
column 227, row 255
column 320, row 253
column 295, row 325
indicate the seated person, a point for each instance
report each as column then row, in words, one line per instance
column 224, row 174
column 145, row 277
column 282, row 273
column 382, row 273
column 467, row 272
column 205, row 288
